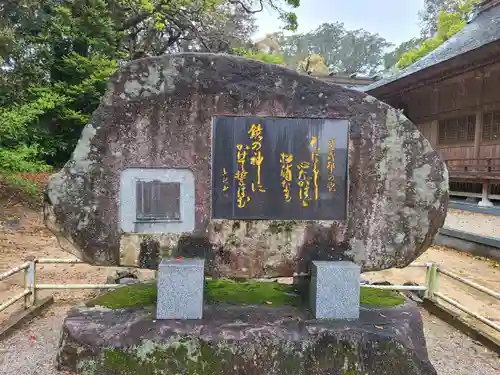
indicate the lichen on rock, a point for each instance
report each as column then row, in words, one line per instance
column 192, row 357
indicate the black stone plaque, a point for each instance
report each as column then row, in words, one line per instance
column 266, row 168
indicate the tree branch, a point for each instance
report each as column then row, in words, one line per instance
column 245, row 8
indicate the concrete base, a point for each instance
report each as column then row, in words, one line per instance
column 334, row 290
column 495, row 210
column 485, row 203
column 488, row 247
column 180, row 289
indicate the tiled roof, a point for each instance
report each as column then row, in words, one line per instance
column 345, row 81
column 481, row 30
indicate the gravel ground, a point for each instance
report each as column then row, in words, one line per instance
column 451, row 352
column 454, row 353
column 22, row 355
column 486, row 225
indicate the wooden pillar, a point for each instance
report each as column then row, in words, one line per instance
column 485, row 201
column 478, row 135
column 434, row 134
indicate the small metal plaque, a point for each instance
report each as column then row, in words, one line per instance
column 157, row 200
column 266, row 168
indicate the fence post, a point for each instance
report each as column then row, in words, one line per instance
column 431, row 281
column 26, row 286
column 30, row 283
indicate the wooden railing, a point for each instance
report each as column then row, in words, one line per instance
column 483, row 168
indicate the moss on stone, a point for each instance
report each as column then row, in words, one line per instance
column 135, row 295
column 193, row 356
column 187, row 356
column 232, row 292
column 250, row 293
column 380, row 297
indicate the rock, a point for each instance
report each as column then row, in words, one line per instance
column 381, row 283
column 158, row 112
column 414, row 295
column 127, row 281
column 125, row 276
column 243, row 340
column 119, row 276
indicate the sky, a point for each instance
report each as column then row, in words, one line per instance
column 395, row 20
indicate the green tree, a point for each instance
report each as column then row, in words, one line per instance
column 259, row 55
column 391, row 58
column 430, row 13
column 344, row 51
column 448, row 24
column 56, row 57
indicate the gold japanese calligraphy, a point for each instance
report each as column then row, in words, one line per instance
column 225, row 180
column 315, row 161
column 255, row 135
column 307, row 177
column 242, row 197
column 304, row 182
column 331, row 165
column 286, row 175
column 274, row 168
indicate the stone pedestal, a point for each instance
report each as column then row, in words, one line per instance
column 485, row 201
column 335, row 290
column 244, row 340
column 180, row 289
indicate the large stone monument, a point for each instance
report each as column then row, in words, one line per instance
column 247, row 170
column 152, row 137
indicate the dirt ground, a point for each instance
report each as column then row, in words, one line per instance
column 23, row 234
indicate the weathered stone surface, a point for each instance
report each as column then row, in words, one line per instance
column 243, row 340
column 157, row 113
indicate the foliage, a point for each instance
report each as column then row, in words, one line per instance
column 56, row 57
column 259, row 55
column 344, row 51
column 448, row 24
column 430, row 14
column 391, row 58
column 313, row 64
